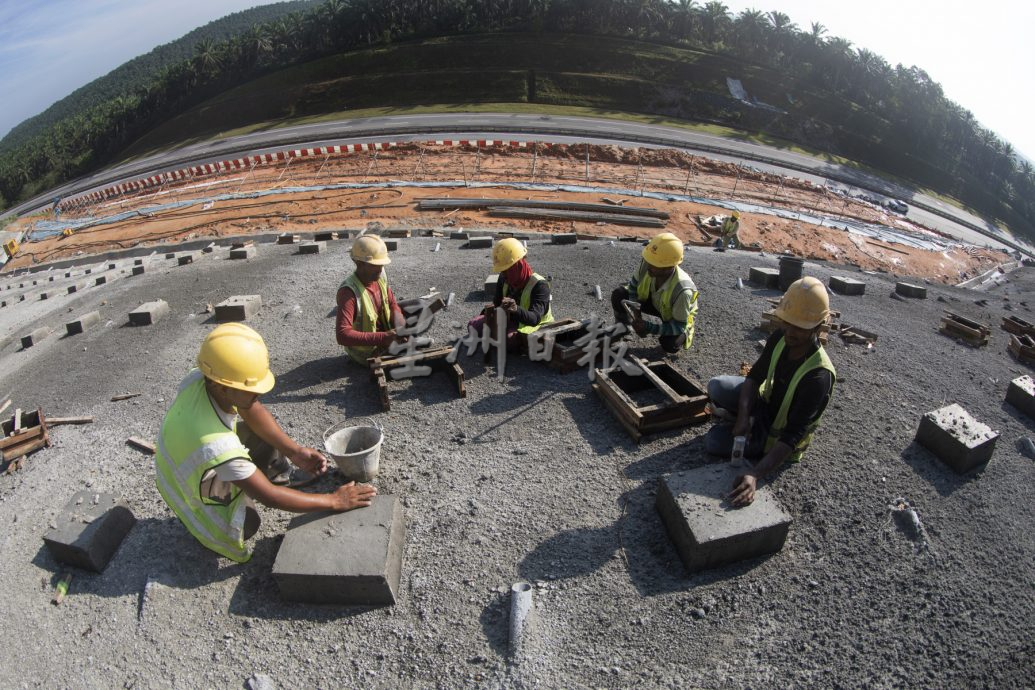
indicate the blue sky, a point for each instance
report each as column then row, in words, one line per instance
column 981, row 53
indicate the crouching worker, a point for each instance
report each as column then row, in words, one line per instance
column 730, row 233
column 662, row 289
column 368, row 314
column 777, row 407
column 207, row 465
column 531, row 308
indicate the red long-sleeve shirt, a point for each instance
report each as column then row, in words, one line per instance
column 350, row 337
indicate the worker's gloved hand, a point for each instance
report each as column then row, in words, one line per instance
column 353, row 495
column 309, row 460
column 744, row 487
column 509, row 305
column 640, row 326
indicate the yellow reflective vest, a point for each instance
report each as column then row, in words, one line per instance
column 366, row 316
column 665, row 301
column 525, row 301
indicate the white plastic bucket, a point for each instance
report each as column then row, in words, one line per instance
column 356, row 449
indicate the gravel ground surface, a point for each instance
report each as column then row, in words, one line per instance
column 527, row 478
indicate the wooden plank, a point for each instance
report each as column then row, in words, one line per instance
column 7, row 403
column 382, row 387
column 656, row 380
column 618, row 406
column 610, row 405
column 141, row 444
column 58, row 421
column 16, row 429
column 386, row 362
column 458, row 378
column 618, row 394
column 127, row 396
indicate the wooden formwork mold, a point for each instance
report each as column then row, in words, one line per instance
column 382, row 368
column 564, row 354
column 1022, row 347
column 24, row 433
column 1018, row 326
column 963, row 329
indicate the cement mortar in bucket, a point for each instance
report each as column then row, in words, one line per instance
column 356, row 449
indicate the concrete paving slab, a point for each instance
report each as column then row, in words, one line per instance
column 707, row 531
column 352, row 558
column 312, row 247
column 75, row 287
column 490, row 284
column 479, row 243
column 1021, row 394
column 288, row 239
column 83, row 323
column 564, row 238
column 242, row 253
column 138, row 270
column 847, row 286
column 89, row 530
column 149, row 313
column 956, row 438
column 764, row 276
column 910, row 290
column 35, row 337
column 184, row 259
column 459, row 235
column 238, row 308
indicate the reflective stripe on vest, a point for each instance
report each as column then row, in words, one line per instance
column 818, row 360
column 365, row 318
column 194, row 440
column 526, row 301
column 678, row 283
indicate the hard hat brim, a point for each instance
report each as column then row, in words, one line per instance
column 783, row 316
column 500, row 268
column 263, row 386
column 375, row 262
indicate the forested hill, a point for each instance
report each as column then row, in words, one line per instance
column 139, row 72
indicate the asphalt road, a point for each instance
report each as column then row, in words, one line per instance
column 560, row 129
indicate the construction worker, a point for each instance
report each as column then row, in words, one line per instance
column 368, row 313
column 662, row 289
column 729, row 236
column 206, row 461
column 777, row 407
column 531, row 308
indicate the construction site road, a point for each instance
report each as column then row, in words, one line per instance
column 927, row 210
column 527, row 478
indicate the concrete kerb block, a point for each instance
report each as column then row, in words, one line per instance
column 89, row 530
column 83, row 323
column 184, row 259
column 479, row 243
column 100, row 280
column 910, row 290
column 764, row 276
column 352, row 558
column 170, row 255
column 138, row 262
column 325, row 236
column 1021, row 394
column 490, row 284
column 392, row 245
column 75, row 287
column 287, row 238
column 242, row 252
column 238, row 308
column 706, row 531
column 956, row 438
column 35, row 337
column 112, row 266
column 312, row 247
column 564, row 238
column 138, row 270
column 149, row 313
column 46, row 295
column 459, row 236
column 847, row 286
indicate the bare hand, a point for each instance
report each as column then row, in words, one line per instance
column 640, row 327
column 741, row 427
column 744, row 487
column 353, row 495
column 309, row 460
column 509, row 305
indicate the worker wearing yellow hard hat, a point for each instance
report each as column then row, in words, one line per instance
column 368, row 316
column 778, row 405
column 729, row 233
column 209, row 466
column 523, row 294
column 662, row 289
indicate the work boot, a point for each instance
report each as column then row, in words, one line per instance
column 283, row 473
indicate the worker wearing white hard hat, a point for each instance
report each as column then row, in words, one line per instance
column 368, row 316
column 778, row 405
column 660, row 288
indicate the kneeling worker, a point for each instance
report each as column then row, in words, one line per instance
column 204, row 469
column 730, row 233
column 779, row 405
column 664, row 290
column 368, row 313
column 531, row 310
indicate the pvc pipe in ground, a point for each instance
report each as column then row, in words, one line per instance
column 449, row 299
column 438, row 245
column 596, row 291
column 520, row 607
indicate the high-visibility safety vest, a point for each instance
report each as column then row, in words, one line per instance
column 366, row 316
column 194, row 440
column 818, row 360
column 730, row 227
column 525, row 301
column 665, row 299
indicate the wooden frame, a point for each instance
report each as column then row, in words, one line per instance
column 24, row 433
column 1022, row 347
column 963, row 329
column 564, row 356
column 685, row 401
column 381, row 370
column 1013, row 324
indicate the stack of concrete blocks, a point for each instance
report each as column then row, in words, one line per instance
column 149, row 313
column 706, row 530
column 312, row 247
column 764, row 276
column 83, row 323
column 325, row 236
column 1021, row 394
column 565, row 238
column 352, row 558
column 245, row 252
column 956, row 438
column 35, row 337
column 490, row 284
column 479, row 243
column 910, row 290
column 847, row 286
column 89, row 530
column 238, row 308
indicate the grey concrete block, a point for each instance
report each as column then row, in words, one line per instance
column 847, row 286
column 490, row 284
column 479, row 243
column 84, row 322
column 238, row 308
column 764, row 276
column 75, row 287
column 138, row 262
column 68, row 274
column 89, row 530
column 170, row 255
column 459, row 235
column 288, row 239
column 50, row 279
column 149, row 313
column 242, row 252
column 312, row 247
column 35, row 337
column 138, row 270
column 112, row 266
column 910, row 290
column 88, row 271
column 325, row 236
column 184, row 259
column 100, row 280
column 46, row 295
column 564, row 238
column 956, row 438
column 352, row 558
column 1021, row 394
column 393, row 245
column 708, row 532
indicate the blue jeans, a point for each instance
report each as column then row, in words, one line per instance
column 724, row 392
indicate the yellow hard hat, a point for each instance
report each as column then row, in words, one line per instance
column 370, row 249
column 506, row 253
column 663, row 251
column 236, row 356
column 736, row 215
column 805, row 304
